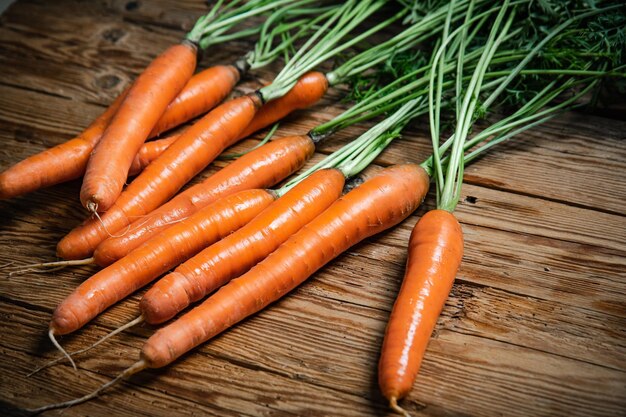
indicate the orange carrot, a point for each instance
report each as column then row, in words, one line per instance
column 149, row 152
column 61, row 163
column 379, row 203
column 187, row 156
column 235, row 254
column 260, row 168
column 82, row 241
column 155, row 257
column 203, row 92
column 434, row 256
column 144, row 104
column 309, row 89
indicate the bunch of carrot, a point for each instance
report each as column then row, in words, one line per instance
column 254, row 245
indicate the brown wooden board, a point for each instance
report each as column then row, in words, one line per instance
column 535, row 324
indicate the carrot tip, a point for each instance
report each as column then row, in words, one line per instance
column 92, row 207
column 58, row 346
column 393, row 404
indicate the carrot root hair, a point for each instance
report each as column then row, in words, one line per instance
column 128, row 325
column 104, row 226
column 49, row 266
column 136, row 367
column 58, row 346
column 393, row 404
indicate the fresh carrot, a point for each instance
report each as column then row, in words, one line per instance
column 61, row 163
column 434, row 256
column 235, row 254
column 260, row 168
column 203, row 92
column 309, row 89
column 82, row 241
column 155, row 257
column 149, row 152
column 379, row 203
column 146, row 101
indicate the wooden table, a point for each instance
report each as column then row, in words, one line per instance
column 535, row 324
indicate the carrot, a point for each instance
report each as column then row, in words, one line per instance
column 260, row 168
column 376, row 205
column 82, row 241
column 61, row 163
column 309, row 89
column 434, row 256
column 144, row 104
column 235, row 254
column 203, row 92
column 155, row 257
column 149, row 152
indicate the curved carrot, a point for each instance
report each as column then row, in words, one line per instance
column 82, row 241
column 150, row 151
column 379, row 203
column 203, row 92
column 144, row 104
column 309, row 89
column 155, row 257
column 260, row 168
column 434, row 256
column 61, row 163
column 188, row 155
column 235, row 254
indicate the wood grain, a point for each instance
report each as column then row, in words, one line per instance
column 535, row 324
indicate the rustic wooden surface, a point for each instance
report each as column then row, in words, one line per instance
column 535, row 324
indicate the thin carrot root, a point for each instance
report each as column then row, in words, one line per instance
column 49, row 266
column 58, row 346
column 104, row 226
column 137, row 367
column 128, row 325
column 393, row 404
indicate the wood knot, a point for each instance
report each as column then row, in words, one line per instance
column 107, row 82
column 113, row 35
column 132, row 5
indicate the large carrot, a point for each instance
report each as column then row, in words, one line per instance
column 260, row 168
column 434, row 256
column 146, row 101
column 155, row 257
column 82, row 241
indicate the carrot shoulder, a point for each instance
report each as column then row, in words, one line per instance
column 144, row 104
column 434, row 256
column 376, row 205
